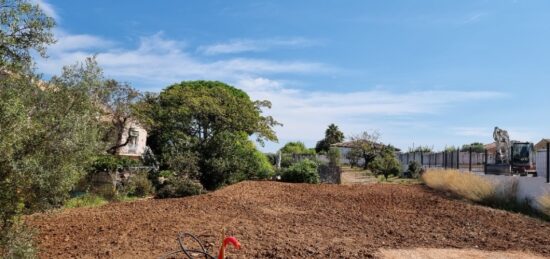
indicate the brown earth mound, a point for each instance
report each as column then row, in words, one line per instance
column 278, row 220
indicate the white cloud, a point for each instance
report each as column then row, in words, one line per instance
column 47, row 8
column 249, row 45
column 305, row 115
column 159, row 60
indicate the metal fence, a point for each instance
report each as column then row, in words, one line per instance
column 461, row 160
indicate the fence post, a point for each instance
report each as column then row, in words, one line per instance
column 422, row 158
column 470, row 159
column 547, row 162
column 452, row 159
column 485, row 164
column 435, row 158
column 445, row 159
column 458, row 159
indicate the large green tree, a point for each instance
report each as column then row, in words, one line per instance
column 198, row 128
column 23, row 27
column 333, row 135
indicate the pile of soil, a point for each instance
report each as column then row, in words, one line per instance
column 279, row 220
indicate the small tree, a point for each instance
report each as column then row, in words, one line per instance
column 353, row 156
column 386, row 163
column 367, row 145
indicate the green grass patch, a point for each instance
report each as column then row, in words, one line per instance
column 397, row 180
column 86, row 200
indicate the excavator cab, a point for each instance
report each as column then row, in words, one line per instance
column 522, row 158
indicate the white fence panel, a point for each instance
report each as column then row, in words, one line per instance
column 540, row 161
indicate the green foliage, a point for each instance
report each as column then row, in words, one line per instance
column 49, row 134
column 200, row 130
column 476, row 147
column 366, row 144
column 450, row 149
column 353, row 156
column 297, row 148
column 334, row 157
column 18, row 242
column 86, row 200
column 111, row 163
column 138, row 186
column 386, row 163
column 304, row 171
column 176, row 187
column 414, row 169
column 332, row 136
column 424, row 149
column 24, row 27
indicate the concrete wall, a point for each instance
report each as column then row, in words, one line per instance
column 528, row 188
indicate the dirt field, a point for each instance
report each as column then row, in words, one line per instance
column 277, row 220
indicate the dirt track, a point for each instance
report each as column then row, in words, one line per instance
column 277, row 220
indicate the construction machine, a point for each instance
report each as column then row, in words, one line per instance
column 512, row 157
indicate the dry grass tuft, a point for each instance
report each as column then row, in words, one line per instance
column 544, row 202
column 467, row 185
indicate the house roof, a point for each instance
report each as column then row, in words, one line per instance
column 542, row 144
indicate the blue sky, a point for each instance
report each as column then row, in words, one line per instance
column 436, row 73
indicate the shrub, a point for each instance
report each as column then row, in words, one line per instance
column 106, row 191
column 414, row 170
column 176, row 187
column 139, row 186
column 386, row 163
column 110, row 163
column 86, row 200
column 304, row 171
column 544, row 203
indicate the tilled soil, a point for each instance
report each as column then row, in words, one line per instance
column 279, row 220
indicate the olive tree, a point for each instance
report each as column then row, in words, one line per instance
column 23, row 27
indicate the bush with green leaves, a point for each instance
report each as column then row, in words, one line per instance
column 304, row 171
column 415, row 169
column 385, row 163
column 138, row 185
column 112, row 163
column 176, row 187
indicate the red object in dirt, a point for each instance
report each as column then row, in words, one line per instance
column 226, row 241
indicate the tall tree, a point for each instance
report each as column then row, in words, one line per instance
column 332, row 136
column 23, row 27
column 204, row 120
